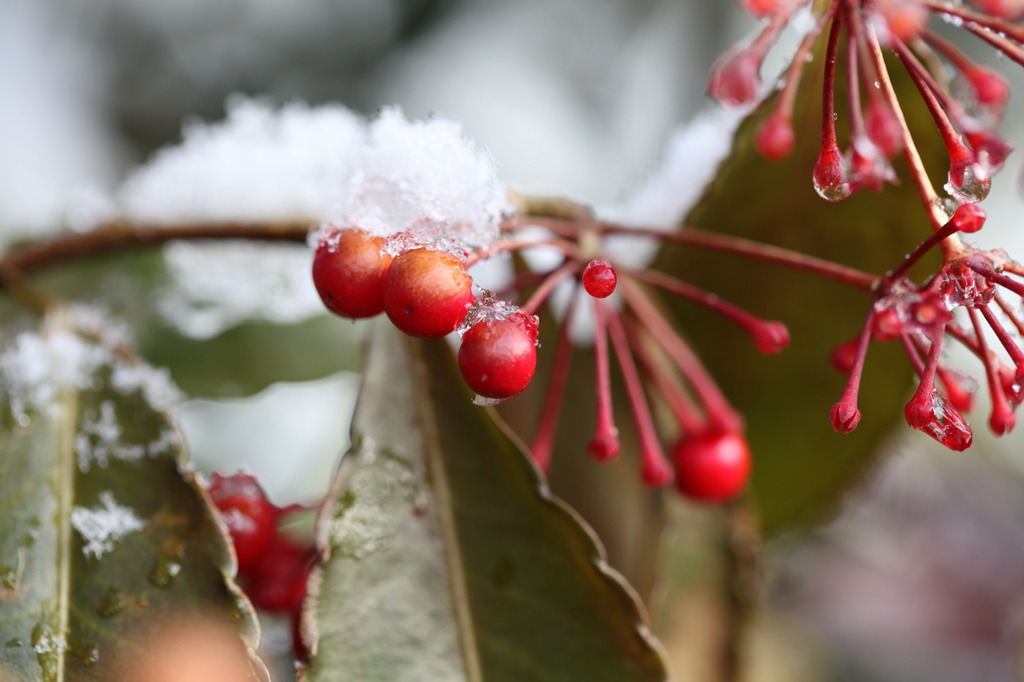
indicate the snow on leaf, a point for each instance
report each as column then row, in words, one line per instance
column 34, row 368
column 102, row 527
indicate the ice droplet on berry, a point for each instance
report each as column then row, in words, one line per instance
column 831, row 175
column 968, row 182
column 944, row 423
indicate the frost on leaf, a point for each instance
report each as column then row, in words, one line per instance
column 102, row 527
column 35, row 368
column 100, row 440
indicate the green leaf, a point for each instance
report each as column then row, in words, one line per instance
column 242, row 360
column 247, row 358
column 446, row 557
column 109, row 549
column 801, row 466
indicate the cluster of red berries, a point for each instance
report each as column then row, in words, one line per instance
column 964, row 300
column 426, row 293
column 429, row 293
column 965, row 119
column 273, row 568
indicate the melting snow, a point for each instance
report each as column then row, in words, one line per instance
column 102, row 527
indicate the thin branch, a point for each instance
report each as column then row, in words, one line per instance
column 120, row 236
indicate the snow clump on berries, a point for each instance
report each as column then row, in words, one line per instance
column 427, row 179
column 325, row 164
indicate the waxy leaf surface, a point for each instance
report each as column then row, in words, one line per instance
column 111, row 558
column 445, row 557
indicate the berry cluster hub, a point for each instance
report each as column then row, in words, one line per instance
column 426, row 288
column 428, row 292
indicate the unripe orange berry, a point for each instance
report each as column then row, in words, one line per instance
column 427, row 293
column 349, row 269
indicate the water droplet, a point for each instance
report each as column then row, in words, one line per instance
column 29, row 538
column 14, row 643
column 49, row 649
column 88, row 655
column 833, row 192
column 831, row 175
column 164, row 573
column 168, row 564
column 968, row 183
column 113, row 603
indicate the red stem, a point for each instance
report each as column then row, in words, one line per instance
column 743, row 319
column 605, row 443
column 796, row 67
column 656, row 469
column 828, row 107
column 1015, row 353
column 1008, row 28
column 1004, row 45
column 955, row 146
column 512, row 245
column 548, row 285
column 917, row 172
column 747, row 248
column 544, row 438
column 679, row 401
column 717, row 408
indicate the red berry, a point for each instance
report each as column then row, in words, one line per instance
column 248, row 514
column 349, row 269
column 712, row 466
column 844, row 355
column 989, row 87
column 884, row 128
column 497, row 358
column 736, row 77
column 906, row 20
column 774, row 140
column 277, row 582
column 831, row 178
column 761, row 8
column 968, row 218
column 599, row 278
column 427, row 293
